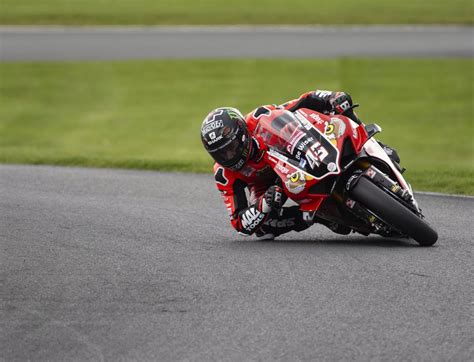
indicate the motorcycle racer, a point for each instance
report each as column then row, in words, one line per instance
column 228, row 136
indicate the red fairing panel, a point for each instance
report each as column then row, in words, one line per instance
column 305, row 148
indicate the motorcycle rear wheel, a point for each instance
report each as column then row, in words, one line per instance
column 393, row 212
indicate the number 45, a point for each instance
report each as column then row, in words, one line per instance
column 316, row 154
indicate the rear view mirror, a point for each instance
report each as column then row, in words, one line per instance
column 372, row 129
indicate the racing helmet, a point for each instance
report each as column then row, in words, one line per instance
column 225, row 136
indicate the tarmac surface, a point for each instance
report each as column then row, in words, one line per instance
column 112, row 43
column 101, row 264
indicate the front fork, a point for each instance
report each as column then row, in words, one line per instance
column 381, row 180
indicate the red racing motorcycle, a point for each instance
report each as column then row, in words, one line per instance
column 335, row 170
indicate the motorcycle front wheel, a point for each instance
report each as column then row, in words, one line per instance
column 393, row 212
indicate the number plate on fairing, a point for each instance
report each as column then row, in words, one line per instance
column 294, row 140
column 319, row 156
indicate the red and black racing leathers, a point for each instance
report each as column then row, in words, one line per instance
column 256, row 176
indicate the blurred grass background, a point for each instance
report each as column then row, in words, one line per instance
column 147, row 114
column 173, row 12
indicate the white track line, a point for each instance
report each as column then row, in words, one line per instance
column 438, row 194
column 241, row 29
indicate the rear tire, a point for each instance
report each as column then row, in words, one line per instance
column 393, row 212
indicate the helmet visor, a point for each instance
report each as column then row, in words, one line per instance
column 230, row 153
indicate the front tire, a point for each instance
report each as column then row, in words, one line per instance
column 393, row 212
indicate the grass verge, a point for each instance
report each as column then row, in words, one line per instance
column 147, row 114
column 173, row 12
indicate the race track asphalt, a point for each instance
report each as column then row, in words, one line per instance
column 111, row 43
column 101, row 264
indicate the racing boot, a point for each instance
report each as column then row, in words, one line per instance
column 263, row 236
column 333, row 226
column 337, row 228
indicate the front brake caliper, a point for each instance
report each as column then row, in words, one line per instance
column 363, row 214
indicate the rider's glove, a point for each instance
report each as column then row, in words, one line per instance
column 342, row 104
column 273, row 199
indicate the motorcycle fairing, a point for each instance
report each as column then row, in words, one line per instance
column 304, row 149
column 373, row 149
column 296, row 141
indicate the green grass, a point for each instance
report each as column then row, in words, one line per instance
column 172, row 12
column 147, row 114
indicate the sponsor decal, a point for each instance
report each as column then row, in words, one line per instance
column 214, row 139
column 349, row 182
column 230, row 213
column 296, row 182
column 234, row 115
column 354, row 133
column 284, row 223
column 323, row 93
column 251, row 218
column 329, row 129
column 339, row 126
column 370, row 172
column 308, row 216
column 282, row 168
column 316, row 153
column 344, row 106
column 273, row 159
column 334, row 129
column 304, row 143
column 210, row 120
column 278, row 155
column 302, row 163
column 371, row 218
column 395, row 188
column 239, row 164
column 302, row 112
column 294, row 139
column 317, row 118
column 212, row 126
column 350, row 203
column 303, row 121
